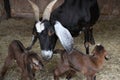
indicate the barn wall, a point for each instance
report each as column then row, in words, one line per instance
column 109, row 7
column 23, row 8
column 2, row 12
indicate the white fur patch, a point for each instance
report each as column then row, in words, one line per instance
column 64, row 36
column 35, row 61
column 39, row 27
column 46, row 54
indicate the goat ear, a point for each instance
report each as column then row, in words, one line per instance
column 64, row 36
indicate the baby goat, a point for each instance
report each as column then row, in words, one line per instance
column 29, row 62
column 76, row 61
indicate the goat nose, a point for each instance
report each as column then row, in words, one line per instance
column 46, row 54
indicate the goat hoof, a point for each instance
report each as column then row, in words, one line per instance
column 106, row 58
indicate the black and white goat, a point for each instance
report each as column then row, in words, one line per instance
column 64, row 23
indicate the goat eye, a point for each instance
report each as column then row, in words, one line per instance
column 35, row 64
column 50, row 32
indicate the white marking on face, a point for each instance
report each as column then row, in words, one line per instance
column 39, row 27
column 35, row 61
column 64, row 36
column 46, row 54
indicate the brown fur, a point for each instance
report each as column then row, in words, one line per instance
column 29, row 62
column 76, row 61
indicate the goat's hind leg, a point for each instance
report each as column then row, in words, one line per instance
column 91, row 40
column 7, row 63
column 88, row 37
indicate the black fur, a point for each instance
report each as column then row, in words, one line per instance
column 76, row 16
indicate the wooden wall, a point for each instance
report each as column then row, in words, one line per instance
column 2, row 11
column 23, row 8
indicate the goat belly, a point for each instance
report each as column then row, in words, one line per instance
column 76, row 60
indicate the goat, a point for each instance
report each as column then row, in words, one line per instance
column 28, row 61
column 64, row 23
column 76, row 61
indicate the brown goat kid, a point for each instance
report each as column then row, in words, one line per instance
column 78, row 62
column 28, row 61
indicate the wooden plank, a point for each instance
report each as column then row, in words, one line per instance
column 22, row 8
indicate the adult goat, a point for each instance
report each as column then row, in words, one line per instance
column 64, row 23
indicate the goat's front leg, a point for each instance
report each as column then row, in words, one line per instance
column 34, row 39
column 26, row 75
column 60, row 70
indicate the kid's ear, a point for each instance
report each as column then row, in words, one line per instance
column 35, row 61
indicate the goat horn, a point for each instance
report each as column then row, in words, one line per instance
column 35, row 9
column 48, row 10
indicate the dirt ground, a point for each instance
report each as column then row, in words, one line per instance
column 106, row 32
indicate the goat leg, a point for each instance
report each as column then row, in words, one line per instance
column 86, row 44
column 70, row 74
column 86, row 38
column 91, row 40
column 60, row 70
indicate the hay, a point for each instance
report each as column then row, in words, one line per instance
column 106, row 32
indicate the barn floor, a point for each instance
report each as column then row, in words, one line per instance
column 106, row 32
